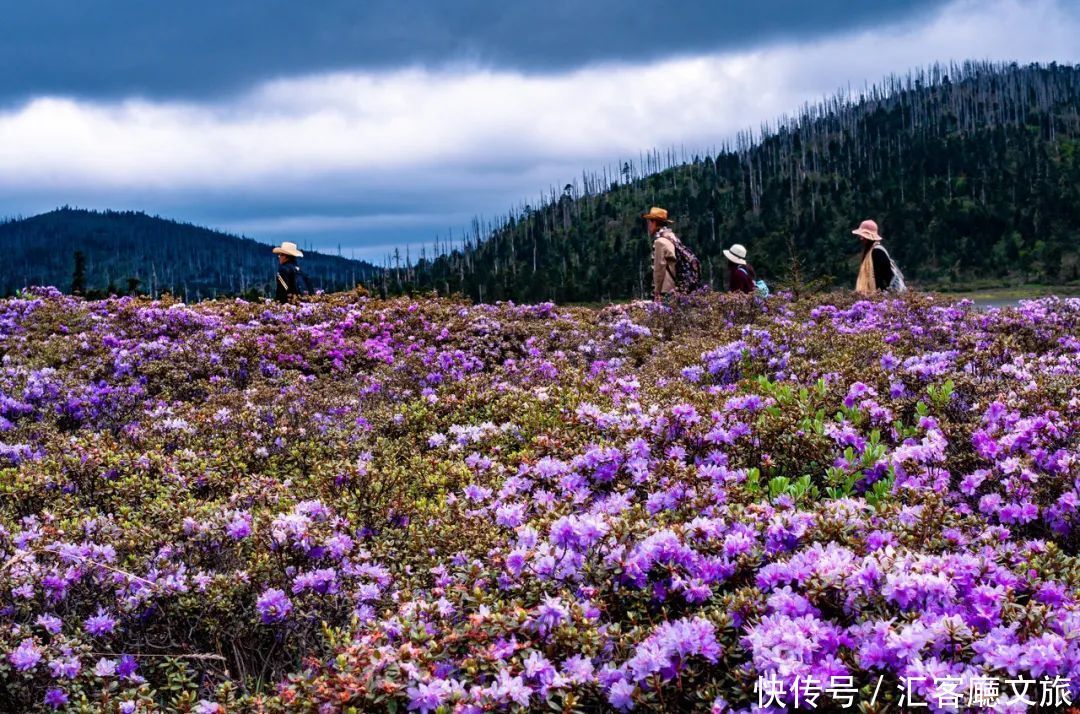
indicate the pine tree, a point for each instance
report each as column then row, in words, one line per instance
column 78, row 277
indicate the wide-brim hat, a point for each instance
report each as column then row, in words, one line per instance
column 736, row 254
column 868, row 230
column 288, row 248
column 657, row 214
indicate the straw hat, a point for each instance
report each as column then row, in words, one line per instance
column 288, row 248
column 736, row 254
column 657, row 214
column 868, row 230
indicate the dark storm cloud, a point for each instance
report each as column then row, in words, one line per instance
column 376, row 125
column 204, row 48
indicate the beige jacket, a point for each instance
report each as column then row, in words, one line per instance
column 664, row 262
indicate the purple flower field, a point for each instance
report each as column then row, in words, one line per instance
column 354, row 505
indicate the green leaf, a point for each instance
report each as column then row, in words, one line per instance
column 753, row 480
column 778, row 485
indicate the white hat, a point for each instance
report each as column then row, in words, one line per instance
column 288, row 248
column 737, row 254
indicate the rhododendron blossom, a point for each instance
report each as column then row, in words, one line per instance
column 426, row 505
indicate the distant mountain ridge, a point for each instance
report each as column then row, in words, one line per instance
column 125, row 249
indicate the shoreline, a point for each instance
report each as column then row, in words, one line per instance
column 1005, row 293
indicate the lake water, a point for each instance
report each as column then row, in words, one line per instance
column 996, row 302
column 989, row 301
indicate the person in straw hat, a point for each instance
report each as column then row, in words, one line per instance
column 289, row 273
column 664, row 261
column 740, row 273
column 876, row 269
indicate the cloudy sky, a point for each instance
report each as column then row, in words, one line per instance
column 377, row 124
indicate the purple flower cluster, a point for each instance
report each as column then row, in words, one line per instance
column 273, row 606
column 433, row 506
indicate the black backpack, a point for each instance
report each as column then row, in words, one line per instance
column 687, row 268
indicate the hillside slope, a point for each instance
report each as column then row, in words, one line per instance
column 183, row 259
column 971, row 171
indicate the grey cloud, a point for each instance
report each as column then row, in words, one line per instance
column 203, row 48
column 364, row 215
column 498, row 163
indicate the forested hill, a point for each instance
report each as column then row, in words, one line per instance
column 971, row 171
column 128, row 251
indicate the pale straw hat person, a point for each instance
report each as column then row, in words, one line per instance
column 289, row 277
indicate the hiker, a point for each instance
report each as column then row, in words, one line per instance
column 289, row 273
column 657, row 224
column 877, row 271
column 740, row 273
column 675, row 269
